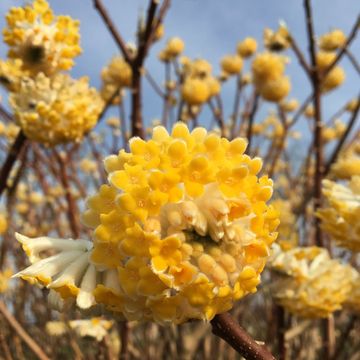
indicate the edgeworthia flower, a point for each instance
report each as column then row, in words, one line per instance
column 182, row 231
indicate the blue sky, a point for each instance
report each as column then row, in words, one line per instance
column 210, row 29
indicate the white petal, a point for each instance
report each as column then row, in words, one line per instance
column 86, row 299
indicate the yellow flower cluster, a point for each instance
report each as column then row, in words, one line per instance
column 115, row 76
column 95, row 327
column 199, row 84
column 268, row 76
column 4, row 280
column 174, row 47
column 277, row 40
column 330, row 133
column 310, row 283
column 348, row 163
column 353, row 301
column 43, row 41
column 341, row 217
column 247, row 47
column 11, row 73
column 182, row 231
column 57, row 109
column 332, row 40
column 231, row 64
column 335, row 77
column 288, row 235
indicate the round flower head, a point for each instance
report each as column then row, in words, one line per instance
column 277, row 40
column 182, row 231
column 341, row 217
column 247, row 47
column 231, row 64
column 275, row 90
column 333, row 79
column 266, row 67
column 346, row 167
column 195, row 91
column 57, row 109
column 310, row 283
column 184, row 222
column 115, row 76
column 332, row 40
column 43, row 41
column 174, row 47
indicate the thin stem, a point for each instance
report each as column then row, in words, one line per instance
column 111, row 26
column 35, row 348
column 224, row 326
column 251, row 121
column 10, row 160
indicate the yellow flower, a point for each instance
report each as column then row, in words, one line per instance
column 310, row 284
column 11, row 73
column 178, row 238
column 195, row 91
column 340, row 216
column 43, row 41
column 333, row 79
column 115, row 76
column 4, row 280
column 247, row 47
column 346, row 167
column 332, row 41
column 174, row 47
column 275, row 90
column 277, row 40
column 309, row 112
column 57, row 109
column 352, row 105
column 3, row 223
column 289, row 105
column 231, row 64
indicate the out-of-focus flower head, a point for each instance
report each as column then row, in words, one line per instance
column 277, row 40
column 289, row 105
column 352, row 105
column 310, row 283
column 95, row 327
column 3, row 223
column 4, row 280
column 57, row 109
column 340, row 218
column 288, row 235
column 231, row 64
column 268, row 76
column 11, row 73
column 309, row 112
column 332, row 40
column 174, row 47
column 335, row 77
column 353, row 300
column 182, row 231
column 199, row 83
column 348, row 163
column 43, row 41
column 247, row 47
column 115, row 76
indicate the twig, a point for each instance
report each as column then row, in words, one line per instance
column 341, row 142
column 224, row 326
column 124, row 337
column 353, row 60
column 342, row 51
column 35, row 348
column 11, row 159
column 300, row 56
column 251, row 120
column 115, row 34
column 344, row 337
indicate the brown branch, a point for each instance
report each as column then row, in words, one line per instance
column 115, row 34
column 10, row 160
column 35, row 348
column 5, row 114
column 72, row 208
column 353, row 60
column 341, row 142
column 224, row 326
column 300, row 56
column 342, row 51
column 251, row 121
